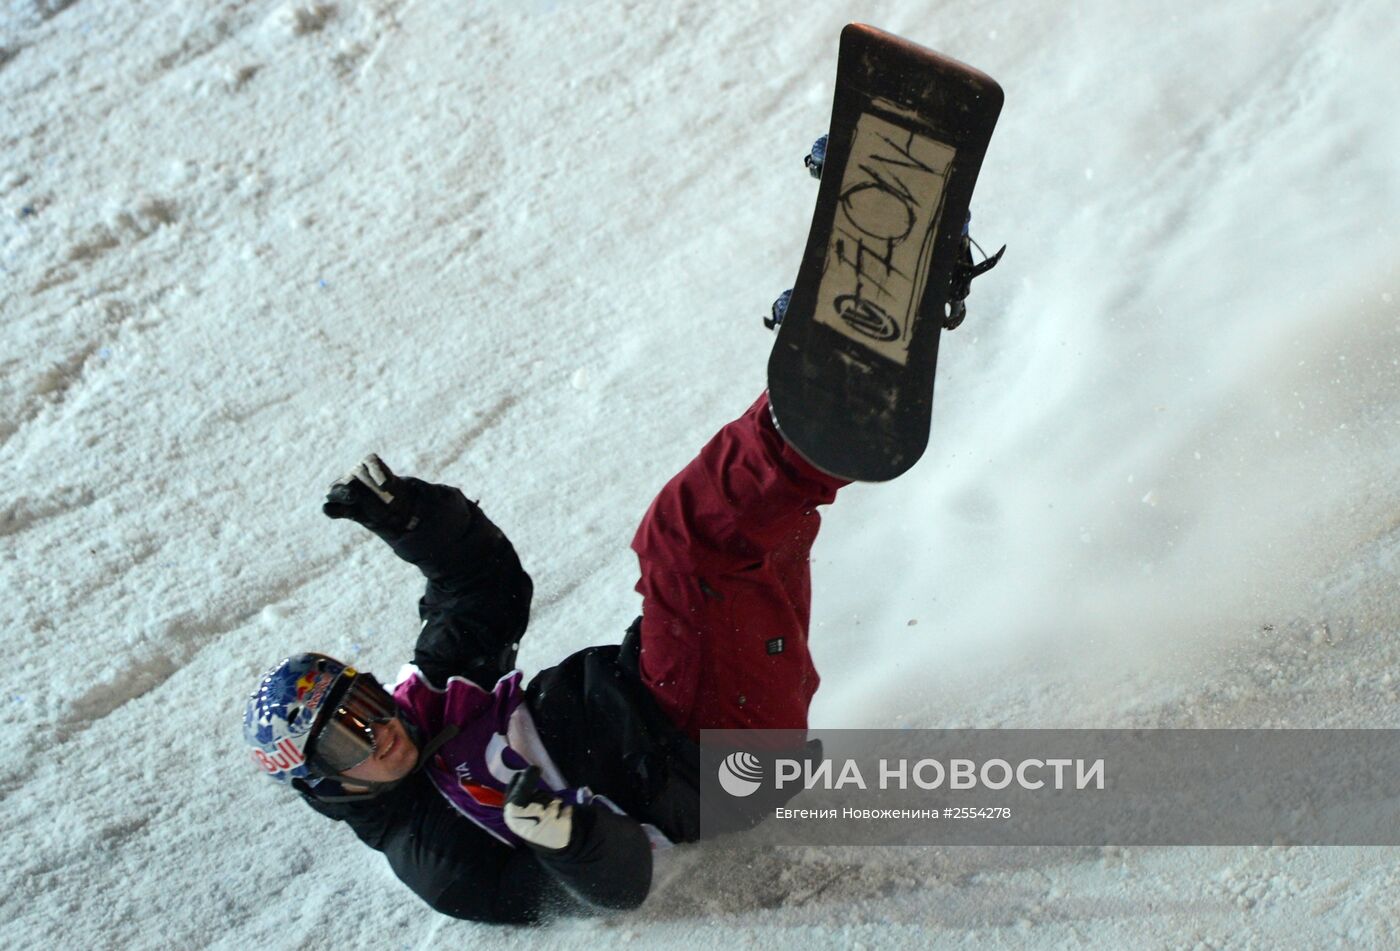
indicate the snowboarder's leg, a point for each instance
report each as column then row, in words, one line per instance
column 725, row 582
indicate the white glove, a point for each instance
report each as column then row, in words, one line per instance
column 539, row 818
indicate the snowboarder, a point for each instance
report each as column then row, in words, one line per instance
column 498, row 801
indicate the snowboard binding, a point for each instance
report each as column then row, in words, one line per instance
column 963, row 273
column 816, row 158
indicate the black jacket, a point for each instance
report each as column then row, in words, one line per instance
column 596, row 719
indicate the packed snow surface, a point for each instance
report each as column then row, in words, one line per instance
column 524, row 247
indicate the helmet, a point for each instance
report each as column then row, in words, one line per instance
column 284, row 711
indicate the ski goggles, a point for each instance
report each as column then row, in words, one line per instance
column 345, row 738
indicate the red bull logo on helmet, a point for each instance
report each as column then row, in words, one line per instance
column 286, row 757
column 306, row 682
column 318, row 684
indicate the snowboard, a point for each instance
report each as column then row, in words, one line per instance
column 850, row 378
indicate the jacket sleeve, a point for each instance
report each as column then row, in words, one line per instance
column 460, row 870
column 448, row 862
column 607, row 863
column 477, row 601
column 606, row 867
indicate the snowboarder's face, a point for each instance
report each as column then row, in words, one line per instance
column 394, row 757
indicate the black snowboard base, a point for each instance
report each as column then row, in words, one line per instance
column 850, row 378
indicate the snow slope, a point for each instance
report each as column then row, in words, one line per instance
column 524, row 247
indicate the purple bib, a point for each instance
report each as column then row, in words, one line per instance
column 496, row 738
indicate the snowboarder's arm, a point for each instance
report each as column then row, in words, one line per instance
column 606, row 866
column 477, row 601
column 607, row 862
column 600, row 856
column 454, row 866
column 604, row 863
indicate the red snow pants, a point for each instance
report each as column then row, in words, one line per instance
column 726, row 587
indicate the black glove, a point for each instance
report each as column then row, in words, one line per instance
column 373, row 496
column 542, row 820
